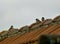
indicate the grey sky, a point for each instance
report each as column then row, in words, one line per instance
column 24, row 12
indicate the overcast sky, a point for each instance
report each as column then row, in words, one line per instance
column 24, row 12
